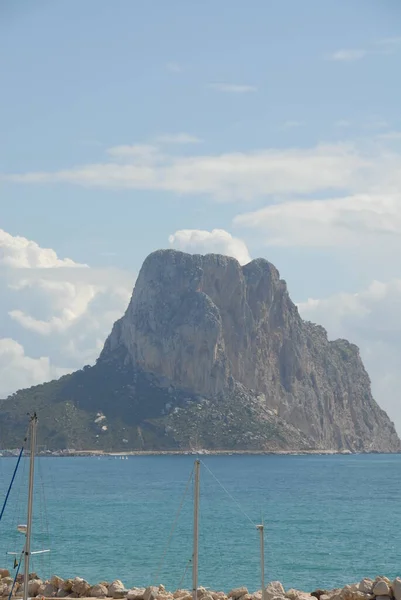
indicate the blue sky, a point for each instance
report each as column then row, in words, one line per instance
column 278, row 122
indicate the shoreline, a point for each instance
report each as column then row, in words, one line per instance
column 7, row 453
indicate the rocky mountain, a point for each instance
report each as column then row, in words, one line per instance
column 210, row 354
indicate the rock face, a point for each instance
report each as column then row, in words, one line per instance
column 205, row 324
column 209, row 355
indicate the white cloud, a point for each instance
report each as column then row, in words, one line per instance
column 19, row 252
column 177, row 138
column 231, row 176
column 348, row 55
column 18, row 371
column 329, row 222
column 233, row 88
column 370, row 318
column 217, row 241
column 54, row 308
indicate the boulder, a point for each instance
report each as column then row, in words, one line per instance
column 47, row 589
column 34, row 586
column 67, row 585
column 383, row 597
column 7, row 580
column 62, row 593
column 151, row 593
column 57, row 581
column 366, row 586
column 318, row 593
column 396, row 585
column 298, row 595
column 4, row 573
column 117, row 589
column 80, row 587
column 237, row 593
column 98, row 591
column 7, row 589
column 273, row 590
column 181, row 593
column 135, row 594
column 381, row 588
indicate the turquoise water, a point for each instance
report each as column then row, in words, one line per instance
column 329, row 520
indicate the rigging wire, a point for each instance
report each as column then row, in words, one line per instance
column 16, row 575
column 229, row 495
column 13, row 477
column 173, row 527
column 185, row 572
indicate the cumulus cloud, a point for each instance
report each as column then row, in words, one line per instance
column 19, row 252
column 55, row 307
column 371, row 319
column 329, row 222
column 18, row 371
column 217, row 241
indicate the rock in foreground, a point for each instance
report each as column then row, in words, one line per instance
column 367, row 589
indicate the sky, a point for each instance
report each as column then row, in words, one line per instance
column 270, row 128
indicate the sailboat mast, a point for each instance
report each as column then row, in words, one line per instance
column 196, row 532
column 27, row 550
column 262, row 557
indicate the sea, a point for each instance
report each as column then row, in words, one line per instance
column 328, row 520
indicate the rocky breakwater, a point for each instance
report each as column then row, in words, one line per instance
column 380, row 588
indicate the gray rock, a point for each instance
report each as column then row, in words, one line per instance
column 80, row 586
column 4, row 573
column 34, row 587
column 366, row 586
column 151, row 593
column 47, row 589
column 136, row 594
column 98, row 591
column 274, row 590
column 396, row 585
column 381, row 588
column 117, row 589
column 238, row 593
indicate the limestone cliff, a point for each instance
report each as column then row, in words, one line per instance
column 206, row 325
column 210, row 355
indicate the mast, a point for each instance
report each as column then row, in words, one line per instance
column 27, row 549
column 196, row 532
column 261, row 528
